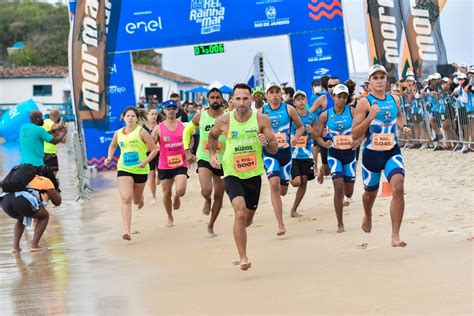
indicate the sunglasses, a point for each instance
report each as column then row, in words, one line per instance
column 331, row 85
column 172, row 108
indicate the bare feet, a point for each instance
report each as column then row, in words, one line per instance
column 245, row 265
column 126, row 237
column 36, row 249
column 210, row 231
column 396, row 242
column 294, row 213
column 281, row 231
column 367, row 224
column 176, row 203
column 170, row 222
column 206, row 209
column 347, row 201
column 16, row 250
column 142, row 202
column 340, row 228
column 320, row 176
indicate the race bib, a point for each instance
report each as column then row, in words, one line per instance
column 131, row 159
column 281, row 139
column 175, row 161
column 342, row 142
column 381, row 141
column 245, row 163
column 302, row 142
column 206, row 147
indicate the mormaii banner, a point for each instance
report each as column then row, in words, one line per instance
column 384, row 30
column 88, row 59
column 423, row 33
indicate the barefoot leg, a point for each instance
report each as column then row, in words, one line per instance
column 240, row 230
column 397, row 207
column 338, row 184
column 126, row 185
column 368, row 199
column 17, row 233
column 166, row 186
column 277, row 204
column 43, row 217
column 299, row 196
column 205, row 180
column 219, row 190
column 180, row 181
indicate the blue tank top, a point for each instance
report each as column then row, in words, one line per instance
column 304, row 147
column 435, row 105
column 340, row 124
column 281, row 123
column 385, row 121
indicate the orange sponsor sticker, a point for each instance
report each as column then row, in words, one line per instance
column 206, row 147
column 175, row 161
column 245, row 163
column 302, row 142
column 382, row 141
column 342, row 142
column 281, row 139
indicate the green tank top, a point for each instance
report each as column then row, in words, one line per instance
column 243, row 155
column 132, row 152
column 48, row 147
column 206, row 122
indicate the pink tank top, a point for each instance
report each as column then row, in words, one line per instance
column 171, row 147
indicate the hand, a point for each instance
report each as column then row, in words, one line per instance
column 374, row 110
column 189, row 156
column 215, row 163
column 107, row 161
column 262, row 139
column 356, row 143
column 293, row 141
column 327, row 144
column 143, row 164
column 406, row 131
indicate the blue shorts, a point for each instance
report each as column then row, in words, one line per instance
column 342, row 164
column 278, row 165
column 373, row 162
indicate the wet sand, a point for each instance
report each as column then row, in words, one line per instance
column 310, row 270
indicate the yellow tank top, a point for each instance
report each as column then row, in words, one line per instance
column 132, row 152
column 48, row 147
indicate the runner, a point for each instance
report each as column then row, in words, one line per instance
column 209, row 177
column 302, row 166
column 278, row 166
column 152, row 123
column 341, row 150
column 246, row 132
column 132, row 166
column 323, row 103
column 172, row 165
column 376, row 116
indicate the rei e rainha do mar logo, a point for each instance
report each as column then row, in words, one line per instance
column 208, row 13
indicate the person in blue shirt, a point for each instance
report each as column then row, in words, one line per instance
column 33, row 136
column 377, row 116
column 302, row 165
column 341, row 147
column 278, row 166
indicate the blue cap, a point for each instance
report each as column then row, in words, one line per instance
column 170, row 104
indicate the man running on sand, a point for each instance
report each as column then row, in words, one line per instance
column 246, row 131
column 377, row 116
column 209, row 177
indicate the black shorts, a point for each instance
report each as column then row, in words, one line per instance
column 137, row 178
column 249, row 189
column 204, row 164
column 324, row 155
column 302, row 167
column 450, row 112
column 51, row 160
column 17, row 207
column 438, row 118
column 154, row 161
column 165, row 174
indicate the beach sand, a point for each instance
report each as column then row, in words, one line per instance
column 311, row 269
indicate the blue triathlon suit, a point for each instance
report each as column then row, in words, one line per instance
column 374, row 161
column 302, row 154
column 279, row 164
column 342, row 162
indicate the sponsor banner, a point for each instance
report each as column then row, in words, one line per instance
column 120, row 94
column 318, row 54
column 147, row 24
column 384, row 30
column 423, row 33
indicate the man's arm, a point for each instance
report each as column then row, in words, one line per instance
column 220, row 126
column 266, row 136
column 361, row 121
column 299, row 125
column 318, row 103
column 318, row 133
